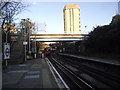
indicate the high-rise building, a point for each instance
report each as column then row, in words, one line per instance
column 72, row 19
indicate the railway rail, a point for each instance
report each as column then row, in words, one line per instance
column 72, row 79
column 93, row 76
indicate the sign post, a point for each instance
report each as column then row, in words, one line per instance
column 6, row 52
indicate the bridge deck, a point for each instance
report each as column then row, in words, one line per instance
column 58, row 36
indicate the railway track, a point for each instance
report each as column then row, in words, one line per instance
column 109, row 78
column 72, row 79
column 94, row 77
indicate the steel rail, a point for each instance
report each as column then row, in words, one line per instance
column 75, row 79
column 103, row 76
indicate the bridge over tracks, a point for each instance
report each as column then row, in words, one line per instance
column 58, row 37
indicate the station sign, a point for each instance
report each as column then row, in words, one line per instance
column 6, row 51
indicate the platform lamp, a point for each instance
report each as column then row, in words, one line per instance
column 24, row 42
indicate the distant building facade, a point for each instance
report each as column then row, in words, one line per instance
column 72, row 19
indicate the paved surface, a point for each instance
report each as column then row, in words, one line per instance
column 33, row 74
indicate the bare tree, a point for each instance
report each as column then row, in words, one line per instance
column 28, row 25
column 7, row 15
column 9, row 10
column 3, row 4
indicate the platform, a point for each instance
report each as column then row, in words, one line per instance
column 34, row 73
column 109, row 61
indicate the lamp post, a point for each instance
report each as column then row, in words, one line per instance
column 29, row 41
column 35, row 45
column 35, row 48
column 36, row 29
column 29, row 37
column 24, row 33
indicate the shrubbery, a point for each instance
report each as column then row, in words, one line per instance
column 105, row 38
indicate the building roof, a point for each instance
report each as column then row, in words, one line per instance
column 69, row 6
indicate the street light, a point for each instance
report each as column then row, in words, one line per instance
column 35, row 42
column 36, row 29
column 24, row 42
column 29, row 36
